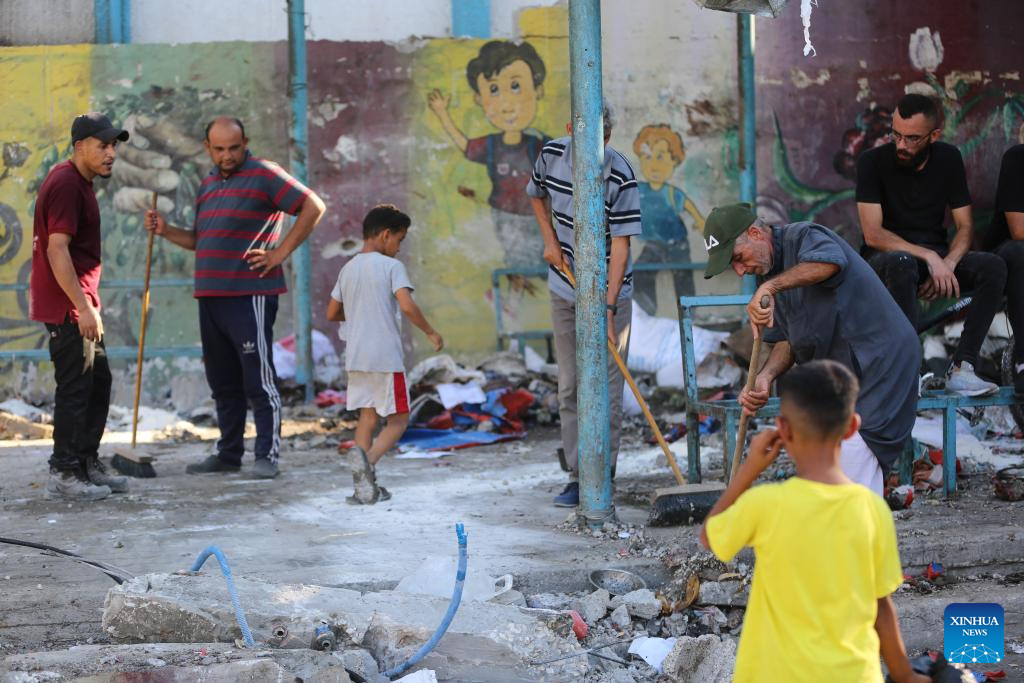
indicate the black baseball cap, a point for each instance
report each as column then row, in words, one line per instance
column 95, row 125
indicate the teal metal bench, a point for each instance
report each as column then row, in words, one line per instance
column 521, row 338
column 729, row 411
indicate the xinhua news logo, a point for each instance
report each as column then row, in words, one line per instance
column 973, row 632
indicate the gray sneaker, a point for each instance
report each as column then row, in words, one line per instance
column 963, row 381
column 362, row 476
column 265, row 469
column 98, row 474
column 73, row 486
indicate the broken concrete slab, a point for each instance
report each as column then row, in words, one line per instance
column 15, row 426
column 642, row 603
column 723, row 593
column 174, row 663
column 708, row 658
column 486, row 641
column 592, row 607
column 620, row 617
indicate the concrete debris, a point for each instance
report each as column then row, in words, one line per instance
column 16, row 406
column 592, row 607
column 723, row 593
column 708, row 659
column 421, row 676
column 174, row 662
column 620, row 617
column 642, row 603
column 551, row 601
column 17, row 427
column 486, row 641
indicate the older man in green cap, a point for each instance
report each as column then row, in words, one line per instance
column 825, row 301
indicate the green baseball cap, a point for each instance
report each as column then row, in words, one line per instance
column 723, row 226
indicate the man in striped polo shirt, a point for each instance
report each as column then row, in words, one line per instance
column 550, row 191
column 240, row 211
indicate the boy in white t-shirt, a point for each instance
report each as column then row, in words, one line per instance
column 371, row 290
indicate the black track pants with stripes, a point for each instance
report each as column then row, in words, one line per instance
column 237, row 336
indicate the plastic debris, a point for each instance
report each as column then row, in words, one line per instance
column 652, row 650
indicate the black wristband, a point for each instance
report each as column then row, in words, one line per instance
column 614, row 308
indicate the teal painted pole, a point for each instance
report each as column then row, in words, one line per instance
column 591, row 272
column 471, row 18
column 298, row 153
column 101, row 17
column 748, row 121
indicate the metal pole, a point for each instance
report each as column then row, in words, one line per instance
column 298, row 151
column 748, row 121
column 591, row 272
column 101, row 14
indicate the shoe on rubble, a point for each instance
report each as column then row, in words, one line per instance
column 212, row 463
column 365, row 488
column 99, row 475
column 265, row 468
column 569, row 497
column 963, row 381
column 74, row 486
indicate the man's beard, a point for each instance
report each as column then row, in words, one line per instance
column 916, row 160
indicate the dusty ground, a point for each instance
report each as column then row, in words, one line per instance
column 298, row 528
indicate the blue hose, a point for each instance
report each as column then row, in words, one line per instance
column 226, row 570
column 453, row 607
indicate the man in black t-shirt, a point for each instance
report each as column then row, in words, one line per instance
column 1006, row 239
column 903, row 190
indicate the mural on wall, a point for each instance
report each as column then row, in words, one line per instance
column 447, row 129
column 140, row 88
column 669, row 213
column 507, row 80
column 806, row 134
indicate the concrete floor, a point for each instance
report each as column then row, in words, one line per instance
column 298, row 528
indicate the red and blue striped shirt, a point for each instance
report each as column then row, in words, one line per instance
column 235, row 214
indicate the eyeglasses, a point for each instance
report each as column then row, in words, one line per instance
column 912, row 140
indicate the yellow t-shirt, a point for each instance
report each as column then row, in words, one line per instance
column 825, row 554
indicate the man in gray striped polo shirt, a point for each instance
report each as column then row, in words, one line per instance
column 239, row 249
column 550, row 191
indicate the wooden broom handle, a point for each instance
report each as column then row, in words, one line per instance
column 142, row 331
column 639, row 399
column 741, row 435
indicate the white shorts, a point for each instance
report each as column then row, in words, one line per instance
column 859, row 464
column 385, row 392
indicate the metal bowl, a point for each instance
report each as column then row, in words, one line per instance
column 616, row 581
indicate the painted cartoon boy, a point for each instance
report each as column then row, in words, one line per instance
column 508, row 81
column 663, row 206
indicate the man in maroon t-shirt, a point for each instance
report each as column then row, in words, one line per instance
column 64, row 288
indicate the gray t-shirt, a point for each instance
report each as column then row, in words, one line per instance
column 850, row 318
column 552, row 177
column 373, row 325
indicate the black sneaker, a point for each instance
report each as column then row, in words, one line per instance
column 265, row 469
column 212, row 463
column 97, row 473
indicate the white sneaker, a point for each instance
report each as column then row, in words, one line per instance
column 963, row 381
column 70, row 486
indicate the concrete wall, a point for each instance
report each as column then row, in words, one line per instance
column 373, row 138
column 46, row 22
column 831, row 107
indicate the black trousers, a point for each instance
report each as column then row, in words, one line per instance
column 984, row 273
column 82, row 398
column 237, row 338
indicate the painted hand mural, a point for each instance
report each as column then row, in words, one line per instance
column 666, row 210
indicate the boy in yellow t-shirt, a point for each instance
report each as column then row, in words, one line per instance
column 819, row 606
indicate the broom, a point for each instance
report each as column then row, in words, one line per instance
column 129, row 461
